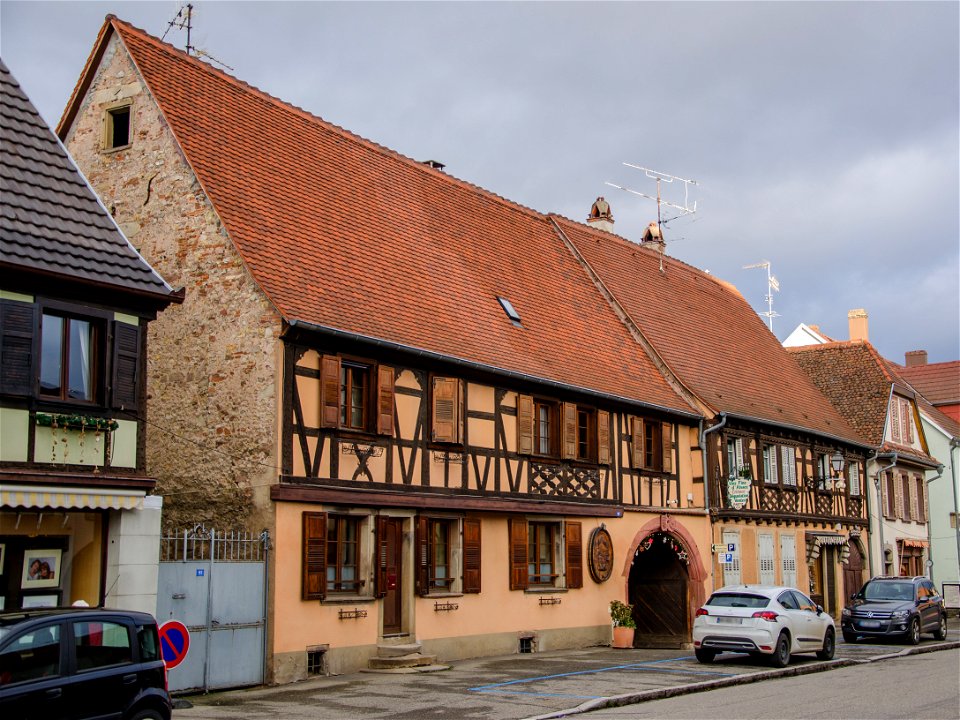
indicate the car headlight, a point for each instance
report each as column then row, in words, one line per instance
column 846, row 612
column 899, row 613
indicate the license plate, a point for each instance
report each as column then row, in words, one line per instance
column 730, row 620
column 870, row 623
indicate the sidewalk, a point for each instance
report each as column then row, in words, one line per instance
column 543, row 685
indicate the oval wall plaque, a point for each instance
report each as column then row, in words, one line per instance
column 600, row 552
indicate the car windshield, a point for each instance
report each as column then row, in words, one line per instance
column 888, row 591
column 738, row 600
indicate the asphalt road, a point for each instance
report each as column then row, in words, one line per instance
column 919, row 687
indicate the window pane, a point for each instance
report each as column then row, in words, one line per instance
column 583, row 434
column 149, row 643
column 543, row 415
column 51, row 355
column 35, row 654
column 99, row 644
column 81, row 348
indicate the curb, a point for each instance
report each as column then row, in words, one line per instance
column 662, row 693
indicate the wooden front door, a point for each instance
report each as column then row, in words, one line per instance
column 658, row 593
column 392, row 547
column 853, row 572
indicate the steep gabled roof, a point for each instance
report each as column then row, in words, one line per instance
column 937, row 382
column 708, row 335
column 51, row 222
column 344, row 234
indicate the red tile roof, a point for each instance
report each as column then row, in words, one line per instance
column 708, row 335
column 937, row 382
column 343, row 233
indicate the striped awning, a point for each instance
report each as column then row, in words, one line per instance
column 914, row 543
column 816, row 540
column 73, row 498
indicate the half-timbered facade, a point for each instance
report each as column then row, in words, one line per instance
column 782, row 511
column 456, row 441
column 75, row 300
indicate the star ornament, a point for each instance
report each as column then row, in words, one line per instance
column 682, row 555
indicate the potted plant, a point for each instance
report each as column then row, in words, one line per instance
column 623, row 624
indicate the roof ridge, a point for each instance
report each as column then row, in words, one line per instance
column 306, row 114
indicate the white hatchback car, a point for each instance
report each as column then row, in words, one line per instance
column 762, row 619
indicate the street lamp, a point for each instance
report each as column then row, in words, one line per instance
column 836, row 462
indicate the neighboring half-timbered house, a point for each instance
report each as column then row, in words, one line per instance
column 785, row 470
column 457, row 442
column 78, row 521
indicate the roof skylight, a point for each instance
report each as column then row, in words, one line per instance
column 509, row 309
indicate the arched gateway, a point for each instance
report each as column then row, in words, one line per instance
column 665, row 583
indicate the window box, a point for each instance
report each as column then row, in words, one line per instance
column 76, row 422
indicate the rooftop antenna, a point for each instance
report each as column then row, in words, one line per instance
column 184, row 20
column 685, row 209
column 772, row 285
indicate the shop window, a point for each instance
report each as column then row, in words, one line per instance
column 545, row 553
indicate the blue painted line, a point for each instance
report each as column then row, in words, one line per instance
column 632, row 666
column 535, row 694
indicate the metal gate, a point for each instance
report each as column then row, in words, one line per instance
column 215, row 584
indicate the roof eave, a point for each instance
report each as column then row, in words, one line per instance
column 800, row 428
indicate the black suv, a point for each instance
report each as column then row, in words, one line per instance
column 81, row 663
column 901, row 606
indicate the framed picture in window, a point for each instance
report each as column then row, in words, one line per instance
column 40, row 601
column 41, row 569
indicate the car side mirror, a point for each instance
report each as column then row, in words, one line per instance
column 819, row 609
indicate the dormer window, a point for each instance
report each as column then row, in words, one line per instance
column 117, row 127
column 509, row 310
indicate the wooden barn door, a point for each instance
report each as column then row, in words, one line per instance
column 853, row 572
column 658, row 593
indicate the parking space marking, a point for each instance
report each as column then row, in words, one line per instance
column 643, row 666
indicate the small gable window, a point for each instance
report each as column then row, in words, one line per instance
column 117, row 130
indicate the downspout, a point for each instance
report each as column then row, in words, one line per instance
column 893, row 461
column 926, row 512
column 954, row 444
column 706, row 485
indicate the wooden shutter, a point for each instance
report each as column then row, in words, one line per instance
column 380, row 578
column 385, row 380
column 922, row 499
column 329, row 391
column 906, row 415
column 603, row 437
column 421, row 555
column 666, row 438
column 18, row 328
column 636, row 446
column 518, row 554
column 909, row 499
column 525, row 425
column 574, row 549
column 126, row 366
column 888, row 505
column 898, row 497
column 895, row 419
column 446, row 409
column 314, row 584
column 471, row 555
column 569, row 431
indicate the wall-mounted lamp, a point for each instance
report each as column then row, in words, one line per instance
column 836, row 462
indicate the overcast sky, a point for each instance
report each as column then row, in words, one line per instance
column 823, row 136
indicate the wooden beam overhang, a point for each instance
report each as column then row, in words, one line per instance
column 295, row 489
column 760, row 516
column 101, row 479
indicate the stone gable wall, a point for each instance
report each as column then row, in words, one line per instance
column 214, row 361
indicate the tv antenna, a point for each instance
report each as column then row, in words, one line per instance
column 183, row 20
column 773, row 285
column 685, row 209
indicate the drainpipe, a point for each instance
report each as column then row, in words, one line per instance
column 954, row 444
column 706, row 485
column 893, row 461
column 926, row 512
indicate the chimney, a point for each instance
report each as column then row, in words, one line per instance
column 915, row 357
column 600, row 215
column 858, row 324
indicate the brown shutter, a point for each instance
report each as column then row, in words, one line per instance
column 574, row 547
column 898, row 496
column 907, row 415
column 385, row 400
column 18, row 328
column 518, row 554
column 329, row 391
column 888, row 505
column 666, row 438
column 922, row 498
column 569, row 431
column 910, row 491
column 603, row 437
column 471, row 555
column 895, row 419
column 421, row 556
column 380, row 579
column 126, row 366
column 636, row 449
column 446, row 410
column 314, row 582
column 525, row 422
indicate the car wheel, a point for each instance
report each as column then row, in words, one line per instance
column 941, row 632
column 849, row 637
column 705, row 656
column 913, row 634
column 781, row 654
column 148, row 714
column 829, row 646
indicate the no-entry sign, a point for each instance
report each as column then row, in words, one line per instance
column 174, row 643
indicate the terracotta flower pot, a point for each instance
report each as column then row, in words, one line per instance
column 622, row 637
